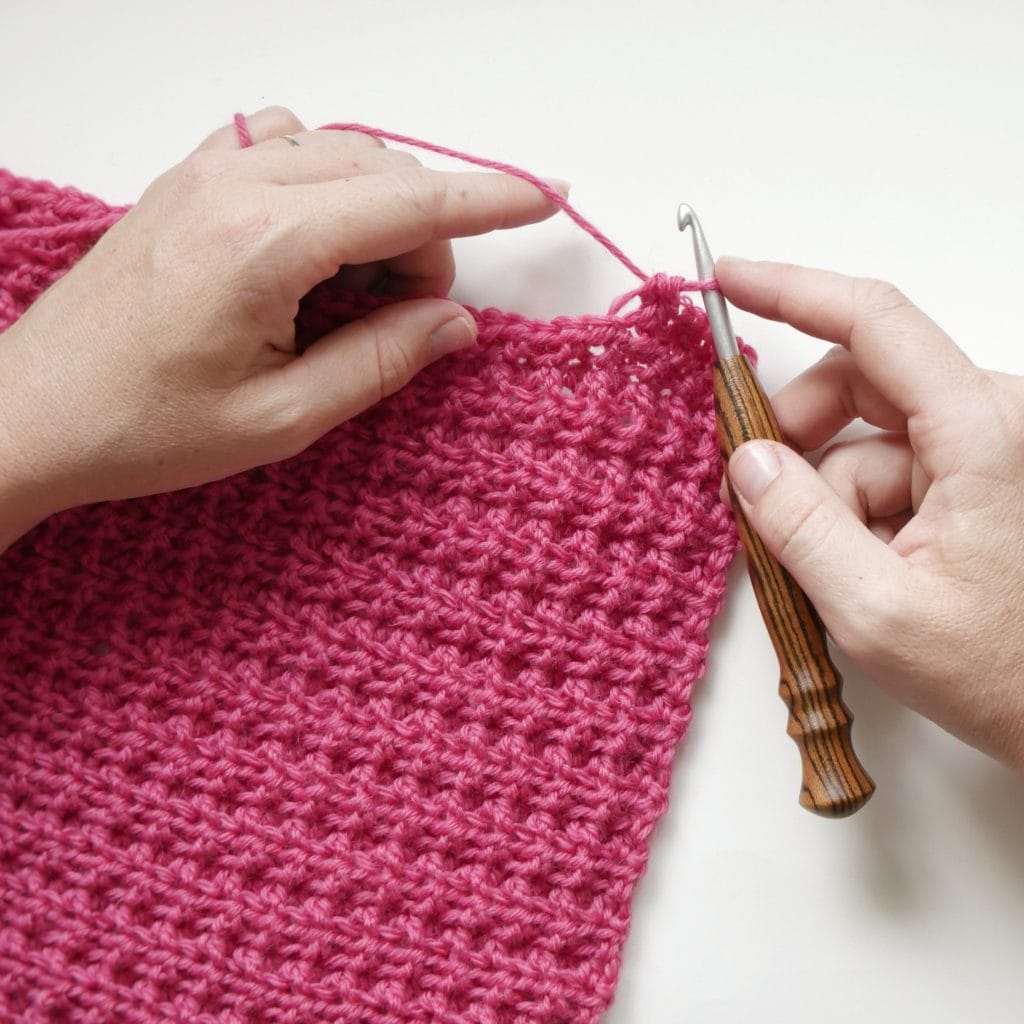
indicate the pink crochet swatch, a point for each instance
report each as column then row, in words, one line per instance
column 379, row 733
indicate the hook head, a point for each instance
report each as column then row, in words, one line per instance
column 718, row 314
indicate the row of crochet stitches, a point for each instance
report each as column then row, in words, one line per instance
column 376, row 734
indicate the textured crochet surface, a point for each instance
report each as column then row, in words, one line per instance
column 379, row 733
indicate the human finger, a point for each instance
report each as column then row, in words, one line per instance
column 428, row 270
column 353, row 367
column 873, row 475
column 425, row 272
column 816, row 405
column 380, row 216
column 887, row 528
column 268, row 123
column 912, row 362
column 844, row 569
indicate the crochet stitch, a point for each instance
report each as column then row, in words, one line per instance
column 379, row 733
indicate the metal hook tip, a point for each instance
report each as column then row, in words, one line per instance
column 718, row 313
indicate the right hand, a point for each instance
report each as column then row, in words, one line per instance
column 909, row 542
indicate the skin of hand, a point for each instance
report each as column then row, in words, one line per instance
column 166, row 357
column 910, row 542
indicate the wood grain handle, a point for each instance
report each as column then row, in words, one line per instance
column 834, row 782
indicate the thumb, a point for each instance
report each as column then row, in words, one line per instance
column 355, row 366
column 831, row 554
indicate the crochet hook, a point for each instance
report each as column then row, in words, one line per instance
column 834, row 782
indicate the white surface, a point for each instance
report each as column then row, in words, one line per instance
column 876, row 138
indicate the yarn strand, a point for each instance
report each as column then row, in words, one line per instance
column 497, row 165
column 245, row 139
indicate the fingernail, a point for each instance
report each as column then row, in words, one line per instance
column 560, row 186
column 452, row 335
column 752, row 468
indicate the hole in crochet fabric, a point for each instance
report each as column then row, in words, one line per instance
column 581, row 754
column 505, row 1014
column 59, row 1013
column 314, row 680
column 473, row 797
column 273, row 958
column 569, row 959
column 538, row 740
column 459, row 1001
column 17, row 1000
column 540, row 885
column 519, row 809
column 429, row 784
column 188, row 928
column 387, row 773
column 341, row 762
column 122, row 973
column 363, row 977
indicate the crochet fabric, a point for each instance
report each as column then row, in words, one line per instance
column 379, row 733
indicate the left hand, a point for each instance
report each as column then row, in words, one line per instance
column 166, row 358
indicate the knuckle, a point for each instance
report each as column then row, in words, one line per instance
column 839, row 461
column 805, row 527
column 399, row 158
column 293, row 425
column 395, row 363
column 364, row 139
column 423, row 190
column 242, row 221
column 876, row 298
column 202, row 167
column 445, row 272
column 280, row 120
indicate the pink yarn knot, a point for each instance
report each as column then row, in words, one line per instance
column 665, row 290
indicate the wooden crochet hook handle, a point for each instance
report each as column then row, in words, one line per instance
column 834, row 782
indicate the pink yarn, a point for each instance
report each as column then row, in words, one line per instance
column 379, row 733
column 496, row 165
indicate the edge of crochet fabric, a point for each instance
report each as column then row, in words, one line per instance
column 377, row 733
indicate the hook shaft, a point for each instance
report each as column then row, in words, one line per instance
column 718, row 312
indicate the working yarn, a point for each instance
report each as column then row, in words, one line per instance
column 379, row 733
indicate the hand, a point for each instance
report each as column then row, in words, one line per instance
column 910, row 542
column 166, row 357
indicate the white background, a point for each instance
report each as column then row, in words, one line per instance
column 870, row 137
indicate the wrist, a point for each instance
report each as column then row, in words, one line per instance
column 23, row 493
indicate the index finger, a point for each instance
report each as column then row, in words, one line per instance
column 380, row 216
column 901, row 351
column 268, row 123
